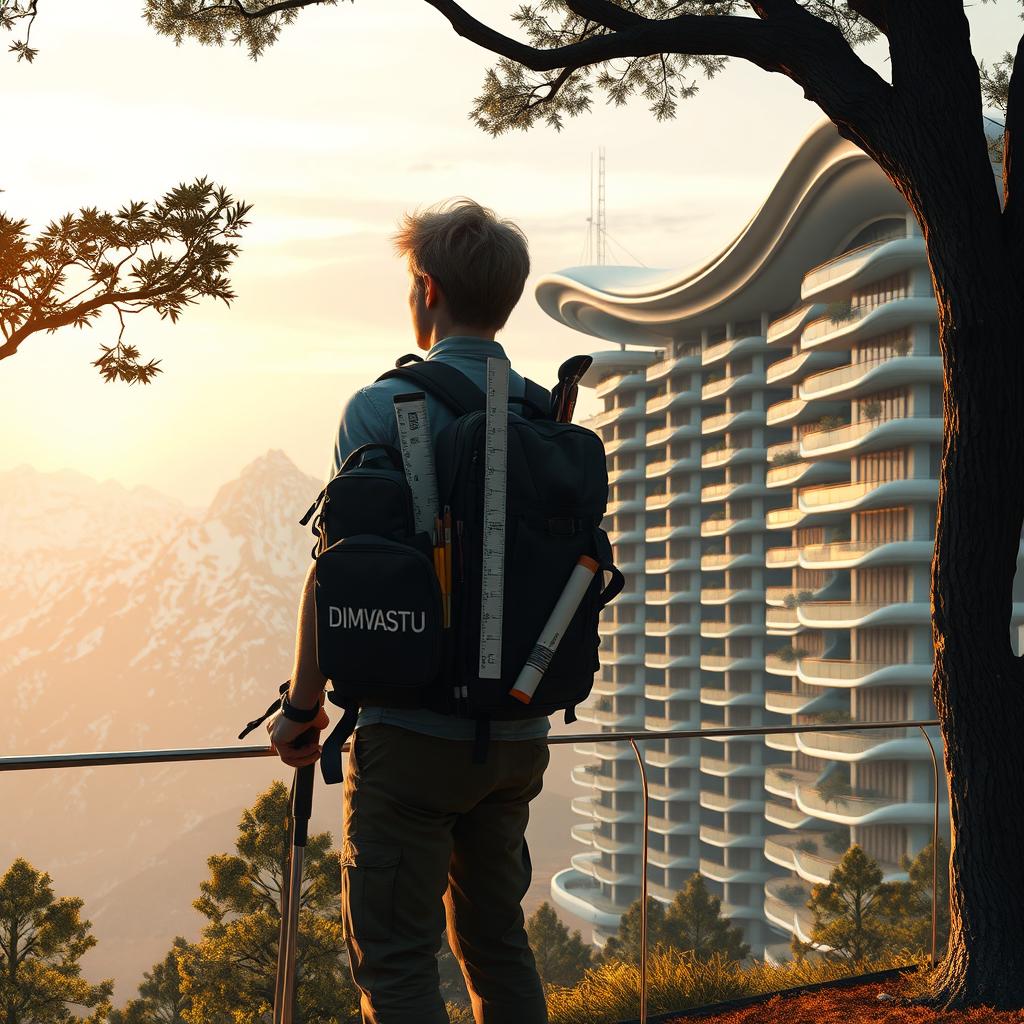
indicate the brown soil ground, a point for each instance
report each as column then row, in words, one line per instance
column 855, row 1005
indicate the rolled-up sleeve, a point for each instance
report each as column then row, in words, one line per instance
column 361, row 422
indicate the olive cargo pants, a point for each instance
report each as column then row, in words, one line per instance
column 429, row 834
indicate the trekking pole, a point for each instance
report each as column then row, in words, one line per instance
column 298, row 831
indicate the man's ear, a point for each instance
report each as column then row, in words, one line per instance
column 431, row 290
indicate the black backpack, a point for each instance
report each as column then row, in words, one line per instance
column 380, row 638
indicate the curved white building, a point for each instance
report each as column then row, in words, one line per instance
column 773, row 422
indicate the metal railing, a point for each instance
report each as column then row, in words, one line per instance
column 38, row 762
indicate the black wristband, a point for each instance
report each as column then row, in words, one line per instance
column 294, row 714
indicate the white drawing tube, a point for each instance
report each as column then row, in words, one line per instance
column 558, row 621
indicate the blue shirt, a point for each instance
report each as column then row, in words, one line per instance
column 369, row 415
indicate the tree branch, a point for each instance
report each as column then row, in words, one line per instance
column 606, row 13
column 873, row 11
column 787, row 40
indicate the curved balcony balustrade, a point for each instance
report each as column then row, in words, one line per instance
column 799, row 410
column 776, row 665
column 589, row 806
column 670, row 827
column 845, row 674
column 687, row 362
column 782, row 703
column 723, row 628
column 731, row 490
column 606, row 751
column 611, row 688
column 785, row 816
column 670, row 400
column 865, row 322
column 629, row 474
column 624, row 506
column 668, row 596
column 867, row 494
column 674, row 792
column 785, row 906
column 872, row 435
column 782, row 557
column 590, row 776
column 871, row 745
column 782, row 780
column 853, row 554
column 674, row 432
column 669, row 628
column 726, row 698
column 709, row 725
column 608, row 845
column 726, row 804
column 660, row 691
column 728, row 663
column 660, row 566
column 783, row 596
column 812, row 859
column 864, row 810
column 670, row 531
column 787, row 327
column 733, row 385
column 850, row 614
column 582, row 896
column 670, row 723
column 671, row 861
column 804, row 472
column 620, row 382
column 720, row 561
column 870, row 262
column 725, row 768
column 733, row 348
column 726, row 456
column 784, row 518
column 782, row 621
column 856, row 379
column 610, row 718
column 725, row 873
column 632, row 443
column 669, row 661
column 782, row 742
column 609, row 627
column 672, row 499
column 729, row 595
column 673, row 759
column 722, row 525
column 737, row 419
column 795, row 368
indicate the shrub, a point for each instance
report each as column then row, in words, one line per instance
column 838, row 840
column 840, row 311
column 902, row 346
column 807, row 846
column 785, row 458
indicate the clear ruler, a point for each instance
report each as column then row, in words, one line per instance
column 492, row 590
column 418, row 457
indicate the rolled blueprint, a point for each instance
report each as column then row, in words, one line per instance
column 558, row 621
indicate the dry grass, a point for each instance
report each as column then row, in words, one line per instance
column 676, row 981
column 857, row 1004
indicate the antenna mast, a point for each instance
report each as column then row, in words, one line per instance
column 601, row 221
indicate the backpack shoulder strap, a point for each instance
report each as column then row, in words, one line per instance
column 444, row 382
column 536, row 397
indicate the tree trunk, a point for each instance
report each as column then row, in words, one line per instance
column 978, row 682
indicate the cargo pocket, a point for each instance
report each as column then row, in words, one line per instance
column 368, row 889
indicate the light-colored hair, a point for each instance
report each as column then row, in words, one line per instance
column 479, row 261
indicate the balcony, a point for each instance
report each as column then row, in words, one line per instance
column 738, row 419
column 728, row 663
column 864, row 810
column 812, row 859
column 898, row 744
column 620, row 381
column 786, row 816
column 782, row 703
column 724, row 628
column 869, row 262
column 867, row 494
column 854, row 674
column 782, row 558
column 722, row 525
column 726, row 873
column 729, row 804
column 849, row 614
column 787, row 326
column 724, row 768
column 673, row 432
column 729, row 595
column 656, row 534
column 671, row 499
column 851, row 554
column 733, row 347
column 687, row 361
column 793, row 368
column 670, row 400
column 732, row 385
column 855, row 379
column 783, row 780
column 871, row 435
column 730, row 560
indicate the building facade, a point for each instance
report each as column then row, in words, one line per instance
column 773, row 423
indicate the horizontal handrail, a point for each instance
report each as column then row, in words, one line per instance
column 101, row 758
column 98, row 759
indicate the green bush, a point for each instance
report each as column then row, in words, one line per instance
column 838, row 840
column 807, row 846
column 785, row 458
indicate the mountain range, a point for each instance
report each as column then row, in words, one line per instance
column 130, row 621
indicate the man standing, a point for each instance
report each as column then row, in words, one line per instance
column 429, row 834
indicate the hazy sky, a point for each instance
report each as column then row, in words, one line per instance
column 359, row 113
